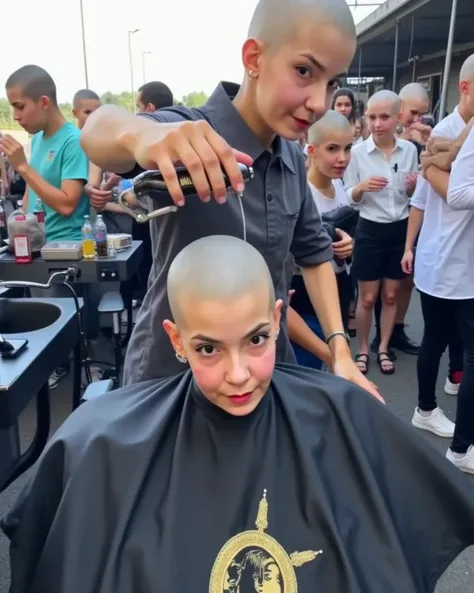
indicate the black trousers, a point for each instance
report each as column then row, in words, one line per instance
column 448, row 322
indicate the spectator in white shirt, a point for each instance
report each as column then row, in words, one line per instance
column 444, row 275
column 380, row 179
column 415, row 105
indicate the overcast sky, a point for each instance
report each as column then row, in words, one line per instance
column 193, row 43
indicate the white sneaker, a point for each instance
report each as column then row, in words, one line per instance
column 58, row 375
column 437, row 423
column 451, row 387
column 464, row 463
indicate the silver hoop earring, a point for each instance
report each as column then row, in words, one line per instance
column 277, row 333
column 181, row 359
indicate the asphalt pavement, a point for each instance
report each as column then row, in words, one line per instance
column 399, row 391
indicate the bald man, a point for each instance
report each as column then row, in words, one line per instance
column 84, row 103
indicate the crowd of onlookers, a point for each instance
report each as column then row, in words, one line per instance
column 375, row 172
column 411, row 186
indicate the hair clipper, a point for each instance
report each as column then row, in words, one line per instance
column 151, row 185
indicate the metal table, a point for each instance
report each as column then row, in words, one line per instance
column 119, row 269
column 26, row 377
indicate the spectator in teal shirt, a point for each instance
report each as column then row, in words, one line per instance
column 58, row 168
column 56, row 175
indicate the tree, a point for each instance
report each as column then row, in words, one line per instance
column 109, row 98
column 195, row 99
column 66, row 109
column 123, row 99
column 6, row 119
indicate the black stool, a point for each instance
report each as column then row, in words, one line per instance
column 112, row 303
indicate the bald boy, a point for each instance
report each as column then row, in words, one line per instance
column 84, row 103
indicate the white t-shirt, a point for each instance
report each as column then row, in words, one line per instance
column 444, row 264
column 325, row 204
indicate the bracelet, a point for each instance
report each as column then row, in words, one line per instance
column 338, row 333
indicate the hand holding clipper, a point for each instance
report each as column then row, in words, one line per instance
column 197, row 147
column 152, row 186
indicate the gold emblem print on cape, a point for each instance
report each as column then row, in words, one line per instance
column 254, row 562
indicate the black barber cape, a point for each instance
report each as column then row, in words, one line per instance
column 152, row 489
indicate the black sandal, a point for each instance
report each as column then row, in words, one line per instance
column 364, row 359
column 383, row 358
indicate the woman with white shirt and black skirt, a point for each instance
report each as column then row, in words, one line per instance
column 380, row 179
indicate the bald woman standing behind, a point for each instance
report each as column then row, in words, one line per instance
column 415, row 103
column 329, row 146
column 380, row 179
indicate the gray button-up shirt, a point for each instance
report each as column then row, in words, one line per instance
column 281, row 217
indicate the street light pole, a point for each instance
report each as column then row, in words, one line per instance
column 130, row 33
column 84, row 53
column 447, row 63
column 144, row 54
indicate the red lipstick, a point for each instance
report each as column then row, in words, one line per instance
column 302, row 123
column 241, row 399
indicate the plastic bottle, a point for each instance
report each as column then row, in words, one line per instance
column 88, row 240
column 101, row 237
column 40, row 213
column 21, row 245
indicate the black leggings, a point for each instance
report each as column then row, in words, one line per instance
column 448, row 322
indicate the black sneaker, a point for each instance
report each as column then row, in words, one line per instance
column 58, row 375
column 402, row 342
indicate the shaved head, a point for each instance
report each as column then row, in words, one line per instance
column 217, row 268
column 274, row 21
column 331, row 123
column 34, row 83
column 467, row 70
column 388, row 97
column 414, row 93
column 84, row 94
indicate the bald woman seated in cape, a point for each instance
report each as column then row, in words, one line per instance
column 236, row 476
